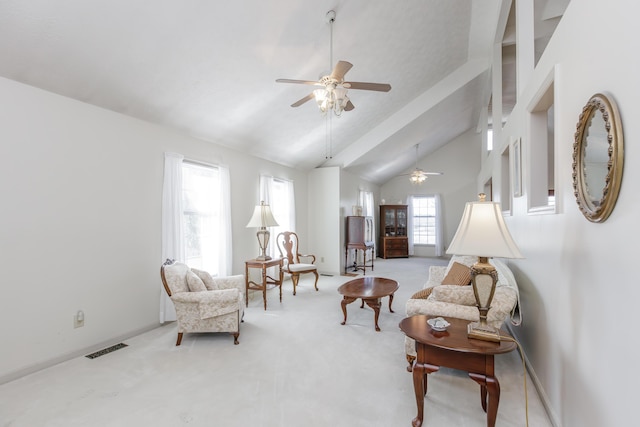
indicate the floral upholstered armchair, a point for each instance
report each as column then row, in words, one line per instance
column 204, row 303
column 448, row 293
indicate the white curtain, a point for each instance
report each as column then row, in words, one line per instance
column 225, row 239
column 266, row 190
column 366, row 201
column 410, row 224
column 172, row 241
column 439, row 233
column 279, row 195
column 291, row 204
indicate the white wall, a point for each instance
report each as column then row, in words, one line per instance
column 324, row 218
column 459, row 160
column 578, row 283
column 80, row 222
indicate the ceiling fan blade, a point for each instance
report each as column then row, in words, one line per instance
column 303, row 100
column 340, row 70
column 422, row 173
column 378, row 87
column 304, row 82
column 349, row 106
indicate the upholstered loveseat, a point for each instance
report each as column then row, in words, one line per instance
column 204, row 303
column 455, row 297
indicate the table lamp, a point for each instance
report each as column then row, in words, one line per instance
column 262, row 218
column 482, row 230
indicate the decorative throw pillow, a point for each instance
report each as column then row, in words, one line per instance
column 195, row 283
column 206, row 278
column 422, row 294
column 459, row 274
column 454, row 294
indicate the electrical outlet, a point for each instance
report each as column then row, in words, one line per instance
column 78, row 319
column 321, row 259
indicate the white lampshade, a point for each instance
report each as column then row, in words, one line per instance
column 483, row 232
column 262, row 217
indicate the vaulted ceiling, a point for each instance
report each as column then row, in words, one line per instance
column 209, row 69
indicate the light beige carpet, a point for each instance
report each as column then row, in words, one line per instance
column 296, row 365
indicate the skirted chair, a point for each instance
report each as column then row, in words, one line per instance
column 287, row 243
column 448, row 293
column 204, row 303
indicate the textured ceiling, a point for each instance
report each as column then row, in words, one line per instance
column 209, row 68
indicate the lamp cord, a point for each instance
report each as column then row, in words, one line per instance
column 524, row 368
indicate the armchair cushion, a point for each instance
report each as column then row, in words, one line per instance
column 216, row 283
column 459, row 274
column 194, row 282
column 462, row 295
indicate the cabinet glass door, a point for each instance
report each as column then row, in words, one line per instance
column 389, row 222
column 402, row 222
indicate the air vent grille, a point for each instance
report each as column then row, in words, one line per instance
column 106, row 350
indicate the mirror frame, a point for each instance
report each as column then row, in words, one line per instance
column 600, row 211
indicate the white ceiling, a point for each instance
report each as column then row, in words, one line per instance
column 208, row 68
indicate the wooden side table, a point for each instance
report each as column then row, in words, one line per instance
column 365, row 247
column 452, row 349
column 266, row 280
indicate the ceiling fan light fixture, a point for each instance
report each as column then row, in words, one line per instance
column 417, row 177
column 341, row 100
column 335, row 99
column 323, row 99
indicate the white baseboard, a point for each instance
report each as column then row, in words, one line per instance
column 81, row 352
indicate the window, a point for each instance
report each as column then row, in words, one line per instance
column 282, row 204
column 279, row 194
column 200, row 216
column 541, row 150
column 424, row 220
column 196, row 219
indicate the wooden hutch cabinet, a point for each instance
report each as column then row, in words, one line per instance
column 359, row 235
column 394, row 242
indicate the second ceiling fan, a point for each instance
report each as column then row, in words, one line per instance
column 418, row 176
column 332, row 94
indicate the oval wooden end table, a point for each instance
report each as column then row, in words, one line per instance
column 452, row 349
column 370, row 290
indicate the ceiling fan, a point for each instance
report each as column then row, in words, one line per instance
column 332, row 94
column 418, row 176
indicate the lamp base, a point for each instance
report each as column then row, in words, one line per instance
column 485, row 332
column 263, row 258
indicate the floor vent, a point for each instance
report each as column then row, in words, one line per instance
column 106, row 351
column 326, row 274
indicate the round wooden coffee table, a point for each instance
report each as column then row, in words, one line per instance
column 370, row 290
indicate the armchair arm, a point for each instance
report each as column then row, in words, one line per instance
column 209, row 303
column 436, row 275
column 313, row 260
column 229, row 282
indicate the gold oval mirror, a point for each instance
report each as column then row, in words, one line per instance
column 598, row 156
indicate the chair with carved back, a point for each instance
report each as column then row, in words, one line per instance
column 287, row 243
